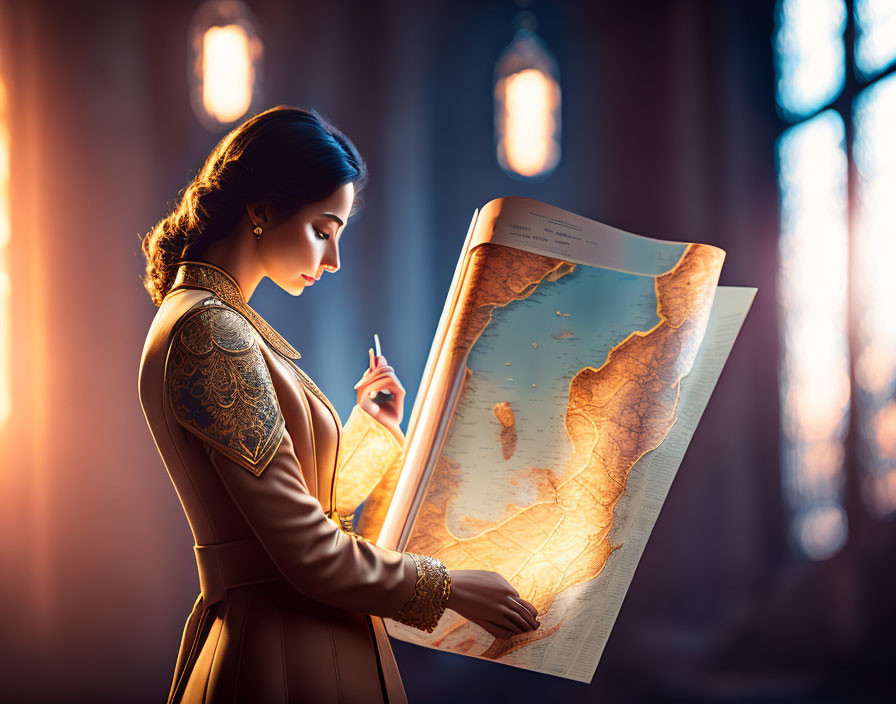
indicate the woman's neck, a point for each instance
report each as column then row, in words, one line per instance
column 238, row 257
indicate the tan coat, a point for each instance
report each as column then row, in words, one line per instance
column 290, row 603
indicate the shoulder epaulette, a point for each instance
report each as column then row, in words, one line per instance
column 220, row 387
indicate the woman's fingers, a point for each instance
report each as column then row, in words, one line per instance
column 370, row 376
column 516, row 620
column 379, row 373
column 368, row 405
column 376, row 365
column 389, row 383
column 532, row 611
column 374, row 362
column 526, row 610
column 386, row 383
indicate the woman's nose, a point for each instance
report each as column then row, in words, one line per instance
column 330, row 261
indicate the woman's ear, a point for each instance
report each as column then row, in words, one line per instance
column 259, row 212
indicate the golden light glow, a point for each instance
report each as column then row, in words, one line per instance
column 527, row 105
column 812, row 289
column 531, row 101
column 5, row 308
column 366, row 452
column 875, row 285
column 559, row 535
column 227, row 72
column 225, row 62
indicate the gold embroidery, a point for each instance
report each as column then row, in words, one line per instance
column 220, row 387
column 214, row 279
column 431, row 591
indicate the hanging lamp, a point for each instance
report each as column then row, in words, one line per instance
column 527, row 105
column 225, row 63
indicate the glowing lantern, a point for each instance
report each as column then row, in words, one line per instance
column 527, row 105
column 225, row 63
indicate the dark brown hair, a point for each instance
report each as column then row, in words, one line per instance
column 287, row 156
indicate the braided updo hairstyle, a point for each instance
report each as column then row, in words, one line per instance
column 287, row 156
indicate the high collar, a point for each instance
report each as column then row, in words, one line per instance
column 213, row 278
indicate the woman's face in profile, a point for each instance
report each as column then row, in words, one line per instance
column 295, row 252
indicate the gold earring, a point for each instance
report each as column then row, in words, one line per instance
column 257, row 232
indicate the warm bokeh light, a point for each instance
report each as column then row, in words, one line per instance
column 227, row 73
column 875, row 35
column 5, row 309
column 812, row 285
column 527, row 105
column 531, row 100
column 810, row 54
column 225, row 62
column 875, row 285
column 822, row 531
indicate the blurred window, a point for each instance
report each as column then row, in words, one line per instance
column 836, row 158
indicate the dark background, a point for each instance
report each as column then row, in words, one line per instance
column 669, row 128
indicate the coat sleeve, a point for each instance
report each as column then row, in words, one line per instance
column 220, row 389
column 367, row 451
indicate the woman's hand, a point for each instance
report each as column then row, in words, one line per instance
column 490, row 601
column 379, row 376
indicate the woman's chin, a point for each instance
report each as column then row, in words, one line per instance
column 295, row 287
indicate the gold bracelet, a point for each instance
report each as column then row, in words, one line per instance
column 431, row 592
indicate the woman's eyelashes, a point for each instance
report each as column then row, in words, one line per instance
column 322, row 235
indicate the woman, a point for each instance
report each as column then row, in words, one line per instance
column 291, row 600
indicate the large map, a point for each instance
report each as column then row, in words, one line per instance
column 572, row 377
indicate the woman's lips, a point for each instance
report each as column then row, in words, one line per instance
column 308, row 279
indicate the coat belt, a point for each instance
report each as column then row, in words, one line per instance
column 236, row 563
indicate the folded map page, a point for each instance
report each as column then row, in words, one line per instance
column 570, row 369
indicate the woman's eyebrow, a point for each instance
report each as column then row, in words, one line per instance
column 333, row 217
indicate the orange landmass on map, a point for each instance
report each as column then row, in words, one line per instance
column 616, row 413
column 502, row 276
column 504, row 414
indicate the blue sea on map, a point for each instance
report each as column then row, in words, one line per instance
column 527, row 356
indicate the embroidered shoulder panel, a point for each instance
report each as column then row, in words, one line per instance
column 220, row 387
